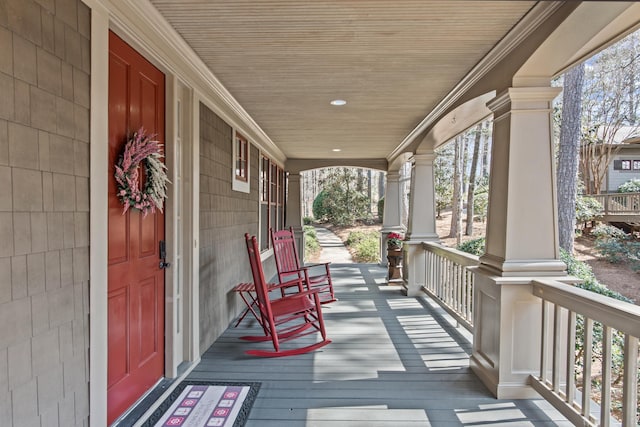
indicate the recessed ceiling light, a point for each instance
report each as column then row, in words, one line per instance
column 336, row 150
column 338, row 102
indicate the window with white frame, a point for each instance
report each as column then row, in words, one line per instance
column 272, row 199
column 240, row 181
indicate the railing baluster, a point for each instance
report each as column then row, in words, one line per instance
column 586, row 367
column 450, row 277
column 605, row 394
column 545, row 340
column 460, row 278
column 571, row 358
column 630, row 386
column 470, row 299
column 557, row 324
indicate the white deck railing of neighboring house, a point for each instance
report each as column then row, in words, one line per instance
column 619, row 203
column 449, row 282
column 600, row 319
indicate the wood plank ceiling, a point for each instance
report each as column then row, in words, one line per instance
column 392, row 61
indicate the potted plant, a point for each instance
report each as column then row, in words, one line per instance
column 394, row 241
column 394, row 256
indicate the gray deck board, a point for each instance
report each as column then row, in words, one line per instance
column 394, row 361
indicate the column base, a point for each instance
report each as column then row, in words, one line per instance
column 503, row 390
column 298, row 232
column 414, row 266
column 523, row 268
column 507, row 332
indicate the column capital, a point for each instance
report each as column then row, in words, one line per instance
column 393, row 229
column 423, row 159
column 293, row 176
column 393, row 176
column 523, row 98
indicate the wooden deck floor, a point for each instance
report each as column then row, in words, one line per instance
column 394, row 361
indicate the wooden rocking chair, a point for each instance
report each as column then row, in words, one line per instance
column 288, row 265
column 284, row 319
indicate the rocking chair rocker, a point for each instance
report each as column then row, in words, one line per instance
column 288, row 265
column 284, row 319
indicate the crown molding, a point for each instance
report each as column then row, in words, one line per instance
column 519, row 33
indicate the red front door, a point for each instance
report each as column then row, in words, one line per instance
column 136, row 282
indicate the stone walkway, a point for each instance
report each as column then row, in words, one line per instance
column 333, row 250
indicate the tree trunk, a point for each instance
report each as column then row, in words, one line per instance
column 486, row 148
column 472, row 179
column 456, row 204
column 568, row 152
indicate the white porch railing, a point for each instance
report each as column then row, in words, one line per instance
column 449, row 281
column 602, row 321
column 619, row 203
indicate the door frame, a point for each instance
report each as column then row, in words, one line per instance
column 101, row 22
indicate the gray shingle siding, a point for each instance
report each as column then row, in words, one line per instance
column 44, row 218
column 225, row 215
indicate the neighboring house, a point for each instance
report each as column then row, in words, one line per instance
column 624, row 166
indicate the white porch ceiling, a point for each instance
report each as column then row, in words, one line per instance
column 392, row 61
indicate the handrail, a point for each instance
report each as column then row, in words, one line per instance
column 563, row 308
column 449, row 281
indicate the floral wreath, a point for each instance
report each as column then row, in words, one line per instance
column 142, row 148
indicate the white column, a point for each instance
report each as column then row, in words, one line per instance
column 422, row 222
column 522, row 242
column 294, row 211
column 391, row 219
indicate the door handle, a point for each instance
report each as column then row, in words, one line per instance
column 162, row 253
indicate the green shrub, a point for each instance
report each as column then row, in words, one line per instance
column 473, row 247
column 367, row 250
column 365, row 246
column 356, row 237
column 604, row 231
column 616, row 246
column 311, row 245
column 577, row 268
column 318, row 207
column 587, row 209
column 614, row 251
column 631, row 186
column 307, row 220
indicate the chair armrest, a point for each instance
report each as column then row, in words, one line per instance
column 293, row 271
column 319, row 264
column 293, row 282
column 305, row 294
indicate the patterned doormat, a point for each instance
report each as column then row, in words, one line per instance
column 205, row 404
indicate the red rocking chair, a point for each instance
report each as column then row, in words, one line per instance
column 288, row 265
column 284, row 319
